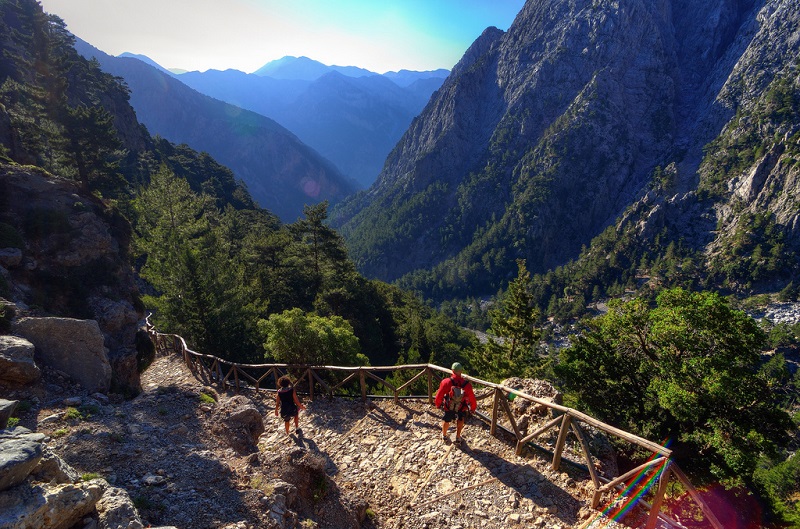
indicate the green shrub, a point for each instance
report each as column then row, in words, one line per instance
column 24, row 406
column 207, row 399
column 13, row 421
column 73, row 414
column 88, row 410
column 780, row 485
column 90, row 476
column 61, row 432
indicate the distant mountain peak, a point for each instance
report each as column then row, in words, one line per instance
column 145, row 59
column 305, row 69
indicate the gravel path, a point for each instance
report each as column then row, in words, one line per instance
column 382, row 456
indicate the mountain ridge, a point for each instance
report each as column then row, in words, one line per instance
column 354, row 120
column 545, row 135
column 289, row 176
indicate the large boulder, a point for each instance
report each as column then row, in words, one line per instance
column 18, row 457
column 240, row 422
column 119, row 321
column 46, row 506
column 116, row 510
column 72, row 346
column 7, row 408
column 53, row 469
column 541, row 389
column 17, row 366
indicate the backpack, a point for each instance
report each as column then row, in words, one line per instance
column 453, row 399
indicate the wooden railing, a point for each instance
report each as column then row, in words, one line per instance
column 659, row 468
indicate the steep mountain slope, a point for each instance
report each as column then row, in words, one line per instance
column 282, row 174
column 355, row 122
column 352, row 116
column 543, row 136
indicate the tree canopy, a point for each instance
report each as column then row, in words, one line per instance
column 297, row 337
column 687, row 369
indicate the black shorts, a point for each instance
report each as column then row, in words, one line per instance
column 449, row 415
column 289, row 414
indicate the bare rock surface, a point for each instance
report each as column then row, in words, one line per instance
column 49, row 506
column 17, row 365
column 18, row 457
column 72, row 346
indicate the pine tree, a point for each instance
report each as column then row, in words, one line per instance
column 515, row 318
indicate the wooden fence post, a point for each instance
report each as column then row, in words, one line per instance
column 430, row 385
column 495, row 405
column 562, row 438
column 310, row 384
column 655, row 509
column 363, row 379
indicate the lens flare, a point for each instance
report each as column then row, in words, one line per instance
column 627, row 498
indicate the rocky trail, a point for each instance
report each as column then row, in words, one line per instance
column 186, row 461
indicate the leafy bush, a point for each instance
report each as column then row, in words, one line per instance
column 298, row 337
column 73, row 414
column 688, row 367
column 779, row 483
column 207, row 399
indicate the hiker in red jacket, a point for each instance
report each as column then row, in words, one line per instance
column 456, row 398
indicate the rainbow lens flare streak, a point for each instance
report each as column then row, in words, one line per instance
column 630, row 495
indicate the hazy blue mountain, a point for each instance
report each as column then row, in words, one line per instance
column 282, row 173
column 353, row 120
column 144, row 58
column 305, row 69
column 264, row 95
column 408, row 77
column 655, row 122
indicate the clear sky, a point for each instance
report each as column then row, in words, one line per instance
column 380, row 35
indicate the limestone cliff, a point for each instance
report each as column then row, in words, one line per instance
column 546, row 134
column 70, row 259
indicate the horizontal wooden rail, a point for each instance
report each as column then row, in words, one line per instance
column 232, row 375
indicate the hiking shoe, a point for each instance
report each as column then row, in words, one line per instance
column 299, row 431
column 458, row 441
column 446, row 439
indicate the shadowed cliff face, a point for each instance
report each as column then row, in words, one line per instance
column 70, row 259
column 542, row 136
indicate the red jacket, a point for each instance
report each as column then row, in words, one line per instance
column 469, row 395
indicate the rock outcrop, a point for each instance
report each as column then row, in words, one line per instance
column 7, row 408
column 37, row 489
column 72, row 346
column 73, row 262
column 17, row 365
column 116, row 510
column 19, row 455
column 238, row 421
column 49, row 506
